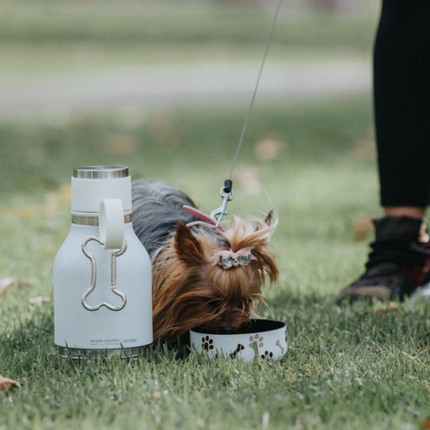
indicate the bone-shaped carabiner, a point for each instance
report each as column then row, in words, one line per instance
column 219, row 213
column 114, row 255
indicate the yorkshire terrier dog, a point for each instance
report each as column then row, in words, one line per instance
column 202, row 275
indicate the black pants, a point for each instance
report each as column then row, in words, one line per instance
column 402, row 102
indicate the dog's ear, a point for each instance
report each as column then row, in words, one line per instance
column 187, row 247
column 270, row 218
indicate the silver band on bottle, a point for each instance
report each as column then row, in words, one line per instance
column 93, row 220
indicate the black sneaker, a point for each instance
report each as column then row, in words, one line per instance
column 397, row 265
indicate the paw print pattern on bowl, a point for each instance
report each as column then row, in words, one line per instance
column 278, row 344
column 263, row 338
column 267, row 355
column 207, row 343
column 256, row 341
column 239, row 348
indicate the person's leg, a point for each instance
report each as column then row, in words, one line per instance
column 402, row 103
column 398, row 260
column 411, row 211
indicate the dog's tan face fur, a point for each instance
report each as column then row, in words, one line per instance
column 189, row 290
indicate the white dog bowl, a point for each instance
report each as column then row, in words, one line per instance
column 263, row 338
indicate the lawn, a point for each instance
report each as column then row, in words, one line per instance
column 346, row 368
column 37, row 38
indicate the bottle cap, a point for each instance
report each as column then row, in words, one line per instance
column 100, row 172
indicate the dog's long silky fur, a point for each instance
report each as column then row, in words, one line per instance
column 189, row 288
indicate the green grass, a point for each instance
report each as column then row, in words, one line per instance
column 75, row 22
column 54, row 37
column 346, row 368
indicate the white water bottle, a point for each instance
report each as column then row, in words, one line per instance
column 102, row 272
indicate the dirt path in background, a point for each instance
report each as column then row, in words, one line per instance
column 158, row 86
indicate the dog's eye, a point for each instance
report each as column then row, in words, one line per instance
column 213, row 303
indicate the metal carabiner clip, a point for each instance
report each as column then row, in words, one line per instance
column 219, row 213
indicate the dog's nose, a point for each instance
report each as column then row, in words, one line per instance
column 226, row 330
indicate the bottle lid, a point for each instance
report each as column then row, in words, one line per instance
column 100, row 172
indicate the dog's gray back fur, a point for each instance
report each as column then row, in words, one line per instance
column 157, row 208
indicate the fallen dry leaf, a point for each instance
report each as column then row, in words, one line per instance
column 392, row 307
column 249, row 180
column 425, row 425
column 270, row 148
column 365, row 148
column 38, row 301
column 7, row 384
column 6, row 283
column 361, row 228
column 123, row 144
column 415, row 359
column 160, row 124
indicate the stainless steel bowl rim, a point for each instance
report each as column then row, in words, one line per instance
column 271, row 326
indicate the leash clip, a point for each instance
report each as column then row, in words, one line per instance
column 226, row 194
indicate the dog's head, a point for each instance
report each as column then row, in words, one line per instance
column 199, row 280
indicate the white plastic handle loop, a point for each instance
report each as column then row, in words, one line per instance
column 111, row 224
